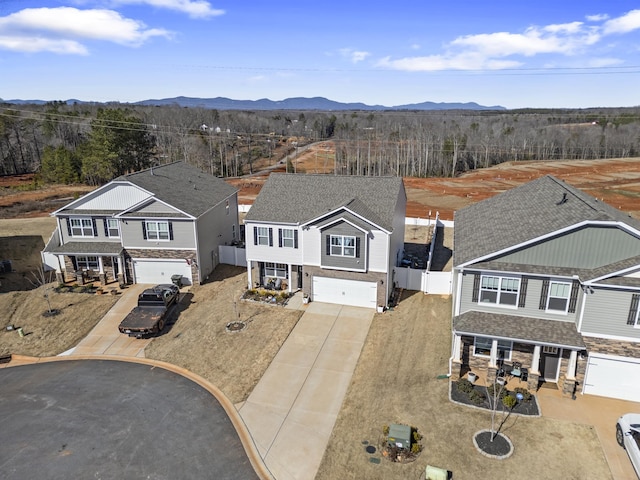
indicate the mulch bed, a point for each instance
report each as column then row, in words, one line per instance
column 522, row 408
column 499, row 447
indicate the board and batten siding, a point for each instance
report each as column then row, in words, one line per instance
column 378, row 247
column 116, row 197
column 274, row 253
column 531, row 305
column 606, row 312
column 183, row 235
column 359, row 262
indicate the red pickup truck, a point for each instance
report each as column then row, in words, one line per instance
column 149, row 317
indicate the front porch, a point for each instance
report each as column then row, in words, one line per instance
column 547, row 351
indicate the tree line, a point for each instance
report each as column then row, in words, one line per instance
column 94, row 143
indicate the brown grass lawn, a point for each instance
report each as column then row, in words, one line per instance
column 48, row 336
column 199, row 342
column 396, row 382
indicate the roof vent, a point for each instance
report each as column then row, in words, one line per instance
column 563, row 200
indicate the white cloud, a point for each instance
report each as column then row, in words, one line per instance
column 434, row 63
column 597, row 18
column 605, row 62
column 61, row 30
column 354, row 56
column 193, row 8
column 624, row 24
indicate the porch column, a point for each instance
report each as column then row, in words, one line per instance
column 289, row 277
column 535, row 360
column 122, row 275
column 571, row 368
column 494, row 354
column 250, row 283
column 100, row 265
column 457, row 339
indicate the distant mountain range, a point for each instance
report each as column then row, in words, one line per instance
column 297, row 103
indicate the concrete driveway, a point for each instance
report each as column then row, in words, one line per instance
column 106, row 339
column 108, row 419
column 291, row 412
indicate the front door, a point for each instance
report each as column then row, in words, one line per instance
column 299, row 276
column 549, row 363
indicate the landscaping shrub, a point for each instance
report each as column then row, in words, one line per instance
column 464, row 386
column 526, row 394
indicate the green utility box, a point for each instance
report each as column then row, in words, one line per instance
column 399, row 436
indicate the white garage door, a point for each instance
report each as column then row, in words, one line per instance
column 160, row 271
column 614, row 377
column 345, row 292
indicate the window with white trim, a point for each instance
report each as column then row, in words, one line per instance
column 81, row 227
column 263, row 236
column 288, row 238
column 157, row 230
column 277, row 270
column 87, row 263
column 558, row 299
column 113, row 228
column 482, row 348
column 343, row 246
column 499, row 290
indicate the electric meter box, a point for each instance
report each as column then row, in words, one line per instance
column 399, row 436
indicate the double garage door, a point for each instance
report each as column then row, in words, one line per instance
column 160, row 271
column 614, row 377
column 345, row 292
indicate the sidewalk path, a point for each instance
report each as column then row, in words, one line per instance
column 291, row 412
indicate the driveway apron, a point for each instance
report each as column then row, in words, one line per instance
column 291, row 412
column 106, row 339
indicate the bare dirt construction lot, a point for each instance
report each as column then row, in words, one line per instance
column 199, row 341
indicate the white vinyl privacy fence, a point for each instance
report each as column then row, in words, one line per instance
column 232, row 255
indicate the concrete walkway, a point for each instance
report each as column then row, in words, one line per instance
column 106, row 339
column 291, row 412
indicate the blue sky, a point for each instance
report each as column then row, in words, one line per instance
column 511, row 53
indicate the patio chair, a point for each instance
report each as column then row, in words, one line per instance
column 278, row 284
column 516, row 370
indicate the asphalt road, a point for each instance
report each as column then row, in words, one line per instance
column 103, row 419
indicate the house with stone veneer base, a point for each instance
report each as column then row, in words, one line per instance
column 146, row 227
column 336, row 238
column 549, row 277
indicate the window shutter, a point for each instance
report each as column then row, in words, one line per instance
column 95, row 227
column 255, row 235
column 523, row 292
column 357, row 247
column 144, row 229
column 328, row 244
column 574, row 296
column 69, row 227
column 543, row 295
column 170, row 230
column 633, row 310
column 476, row 288
column 270, row 237
column 105, row 222
column 280, row 237
column 295, row 239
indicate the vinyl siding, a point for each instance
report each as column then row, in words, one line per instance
column 99, row 229
column 359, row 262
column 215, row 228
column 273, row 253
column 606, row 312
column 378, row 251
column 532, row 301
column 156, row 207
column 183, row 235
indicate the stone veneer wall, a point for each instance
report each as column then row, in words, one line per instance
column 68, row 275
column 307, row 281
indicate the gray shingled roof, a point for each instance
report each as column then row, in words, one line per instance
column 294, row 198
column 182, row 186
column 86, row 248
column 524, row 213
column 522, row 329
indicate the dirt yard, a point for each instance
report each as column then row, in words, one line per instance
column 199, row 342
column 396, row 381
column 48, row 336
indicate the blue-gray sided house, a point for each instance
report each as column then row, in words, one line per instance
column 146, row 227
column 548, row 277
column 337, row 238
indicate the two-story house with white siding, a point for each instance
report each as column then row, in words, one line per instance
column 146, row 227
column 548, row 277
column 337, row 238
